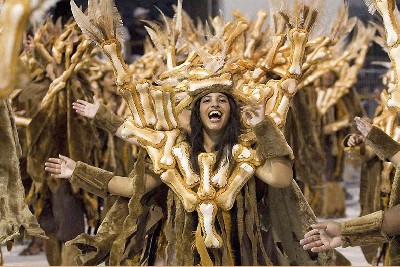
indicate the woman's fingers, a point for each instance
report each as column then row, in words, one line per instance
column 83, row 102
column 311, row 233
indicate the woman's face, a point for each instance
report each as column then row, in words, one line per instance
column 214, row 111
column 109, row 82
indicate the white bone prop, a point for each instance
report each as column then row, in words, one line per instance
column 277, row 42
column 161, row 113
column 145, row 100
column 181, row 154
column 385, row 9
column 298, row 40
column 256, row 33
column 394, row 99
column 207, row 212
column 223, row 80
column 220, row 178
column 146, row 136
column 226, row 196
column 175, row 182
column 206, row 163
column 112, row 48
column 128, row 95
column 245, row 154
column 154, row 154
column 167, row 159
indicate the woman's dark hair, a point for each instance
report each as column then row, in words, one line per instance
column 229, row 139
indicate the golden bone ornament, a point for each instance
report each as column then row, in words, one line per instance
column 386, row 10
column 209, row 61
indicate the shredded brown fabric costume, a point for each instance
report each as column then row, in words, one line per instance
column 300, row 132
column 14, row 212
column 263, row 228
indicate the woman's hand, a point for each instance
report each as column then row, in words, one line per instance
column 61, row 167
column 85, row 108
column 355, row 140
column 363, row 126
column 324, row 236
column 255, row 113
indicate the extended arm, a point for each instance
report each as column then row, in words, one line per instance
column 368, row 229
column 95, row 180
column 102, row 117
column 271, row 147
column 383, row 145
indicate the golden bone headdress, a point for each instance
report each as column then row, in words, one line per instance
column 191, row 60
column 388, row 10
column 14, row 17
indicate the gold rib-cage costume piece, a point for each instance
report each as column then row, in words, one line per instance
column 186, row 62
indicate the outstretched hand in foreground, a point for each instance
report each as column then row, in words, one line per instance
column 85, row 108
column 61, row 167
column 322, row 237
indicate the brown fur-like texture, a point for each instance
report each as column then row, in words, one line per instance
column 91, row 179
column 333, row 193
column 107, row 120
column 271, row 142
column 383, row 145
column 14, row 212
column 363, row 230
column 394, row 244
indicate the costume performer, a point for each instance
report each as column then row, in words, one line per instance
column 203, row 182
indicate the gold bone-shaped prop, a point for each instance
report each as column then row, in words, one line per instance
column 298, row 39
column 206, row 162
column 256, row 33
column 112, row 48
column 233, row 34
column 146, row 136
column 220, row 178
column 226, row 196
column 188, row 197
column 277, row 42
column 158, row 144
column 129, row 93
column 146, row 103
column 388, row 167
column 255, row 92
column 13, row 19
column 278, row 105
column 181, row 154
column 164, row 103
column 166, row 158
column 386, row 9
column 394, row 98
column 60, row 82
column 245, row 154
column 222, row 80
column 207, row 212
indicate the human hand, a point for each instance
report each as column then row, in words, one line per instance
column 363, row 126
column 85, row 108
column 254, row 113
column 61, row 167
column 323, row 236
column 355, row 140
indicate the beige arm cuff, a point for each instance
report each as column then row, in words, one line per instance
column 363, row 230
column 107, row 120
column 383, row 145
column 91, row 179
column 271, row 143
